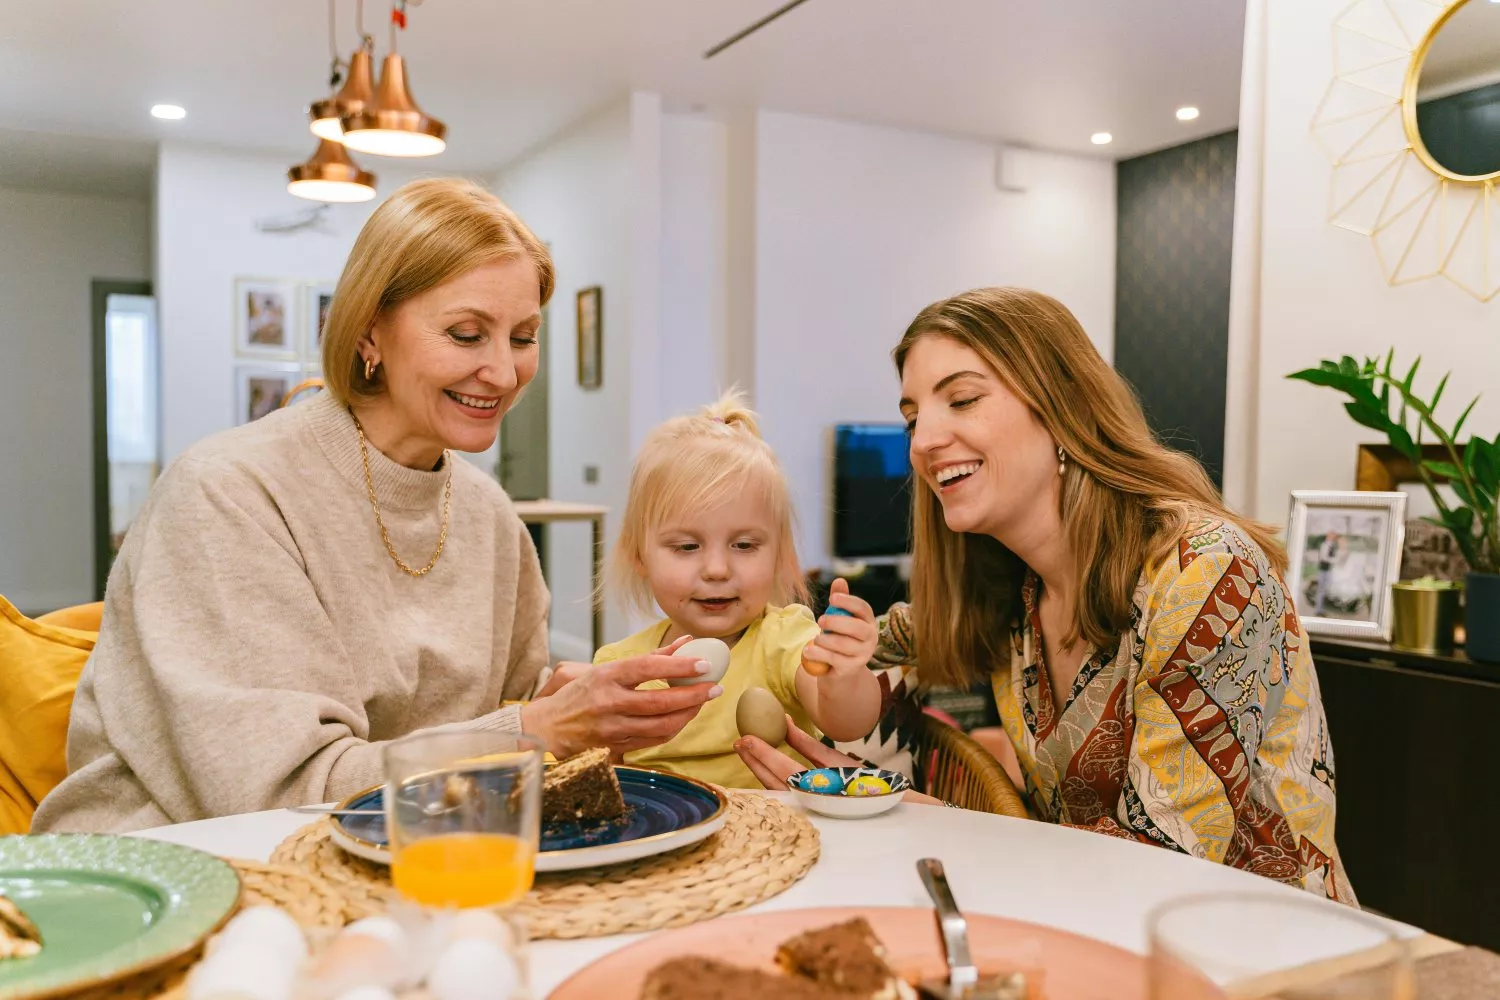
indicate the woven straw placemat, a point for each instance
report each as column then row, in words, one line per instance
column 764, row 847
column 308, row 899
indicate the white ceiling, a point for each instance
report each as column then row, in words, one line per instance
column 505, row 74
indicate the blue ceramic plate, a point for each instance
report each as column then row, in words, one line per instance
column 662, row 813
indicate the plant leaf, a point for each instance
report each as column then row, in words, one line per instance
column 1366, row 418
column 1402, row 442
column 1445, row 469
column 1485, row 466
column 1438, row 394
column 1461, row 490
column 1412, row 374
column 1465, row 416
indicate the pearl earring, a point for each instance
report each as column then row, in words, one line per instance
column 1062, row 460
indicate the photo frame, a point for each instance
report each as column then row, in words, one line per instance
column 317, row 297
column 591, row 337
column 260, row 387
column 267, row 315
column 1344, row 552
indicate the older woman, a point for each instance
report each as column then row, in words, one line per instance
column 302, row 589
column 1146, row 660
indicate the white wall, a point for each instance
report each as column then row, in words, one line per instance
column 1321, row 291
column 51, row 247
column 207, row 203
column 784, row 253
column 857, row 229
column 693, row 356
column 575, row 193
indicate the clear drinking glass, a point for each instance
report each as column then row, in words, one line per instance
column 1237, row 946
column 462, row 814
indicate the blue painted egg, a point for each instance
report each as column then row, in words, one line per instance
column 824, row 781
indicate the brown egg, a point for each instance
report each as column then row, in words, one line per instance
column 760, row 714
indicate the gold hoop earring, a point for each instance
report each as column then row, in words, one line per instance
column 1062, row 460
column 369, row 370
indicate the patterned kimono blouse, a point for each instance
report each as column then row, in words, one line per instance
column 1201, row 730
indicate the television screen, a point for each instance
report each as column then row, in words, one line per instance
column 871, row 491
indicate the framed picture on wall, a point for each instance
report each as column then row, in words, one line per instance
column 260, row 387
column 1344, row 552
column 317, row 298
column 591, row 337
column 265, row 319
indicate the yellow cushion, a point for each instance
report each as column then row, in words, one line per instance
column 80, row 618
column 39, row 668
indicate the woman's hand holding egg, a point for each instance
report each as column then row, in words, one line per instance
column 849, row 635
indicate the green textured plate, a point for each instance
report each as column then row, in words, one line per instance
column 108, row 907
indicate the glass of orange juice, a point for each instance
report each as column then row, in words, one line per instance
column 462, row 813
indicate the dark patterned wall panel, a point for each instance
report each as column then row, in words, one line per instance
column 1172, row 290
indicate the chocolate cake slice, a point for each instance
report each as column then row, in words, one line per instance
column 582, row 788
column 846, row 957
column 697, row 978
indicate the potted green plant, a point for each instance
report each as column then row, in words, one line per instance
column 1471, row 469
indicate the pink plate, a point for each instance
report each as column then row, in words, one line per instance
column 1071, row 967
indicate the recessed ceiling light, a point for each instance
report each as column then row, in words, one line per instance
column 1188, row 113
column 1101, row 138
column 171, row 112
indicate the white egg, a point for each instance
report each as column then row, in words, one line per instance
column 382, row 929
column 481, row 925
column 352, row 961
column 473, row 969
column 242, row 972
column 715, row 651
column 267, row 927
column 368, row 993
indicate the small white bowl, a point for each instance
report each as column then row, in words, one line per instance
column 852, row 806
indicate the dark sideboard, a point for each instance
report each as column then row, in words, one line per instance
column 1416, row 769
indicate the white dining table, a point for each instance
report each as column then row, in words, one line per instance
column 1087, row 883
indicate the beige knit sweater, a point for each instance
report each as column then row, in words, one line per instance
column 259, row 646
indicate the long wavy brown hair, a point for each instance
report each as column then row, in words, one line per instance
column 1126, row 499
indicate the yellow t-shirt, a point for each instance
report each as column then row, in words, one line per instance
column 767, row 655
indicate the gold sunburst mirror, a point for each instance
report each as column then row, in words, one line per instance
column 1412, row 124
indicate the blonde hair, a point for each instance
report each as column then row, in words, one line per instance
column 697, row 462
column 1126, row 498
column 428, row 232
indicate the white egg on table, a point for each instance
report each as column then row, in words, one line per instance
column 473, row 969
column 367, row 993
column 481, row 925
column 381, row 929
column 715, row 651
column 242, row 972
column 352, row 960
column 266, row 927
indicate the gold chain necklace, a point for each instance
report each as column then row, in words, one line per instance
column 385, row 536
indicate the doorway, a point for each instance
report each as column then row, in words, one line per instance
column 524, row 441
column 127, row 413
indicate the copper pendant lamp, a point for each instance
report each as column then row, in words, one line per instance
column 393, row 125
column 330, row 176
column 357, row 94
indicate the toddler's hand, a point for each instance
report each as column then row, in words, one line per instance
column 848, row 640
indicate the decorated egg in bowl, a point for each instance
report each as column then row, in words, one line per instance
column 848, row 792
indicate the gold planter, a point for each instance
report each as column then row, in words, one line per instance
column 1424, row 617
